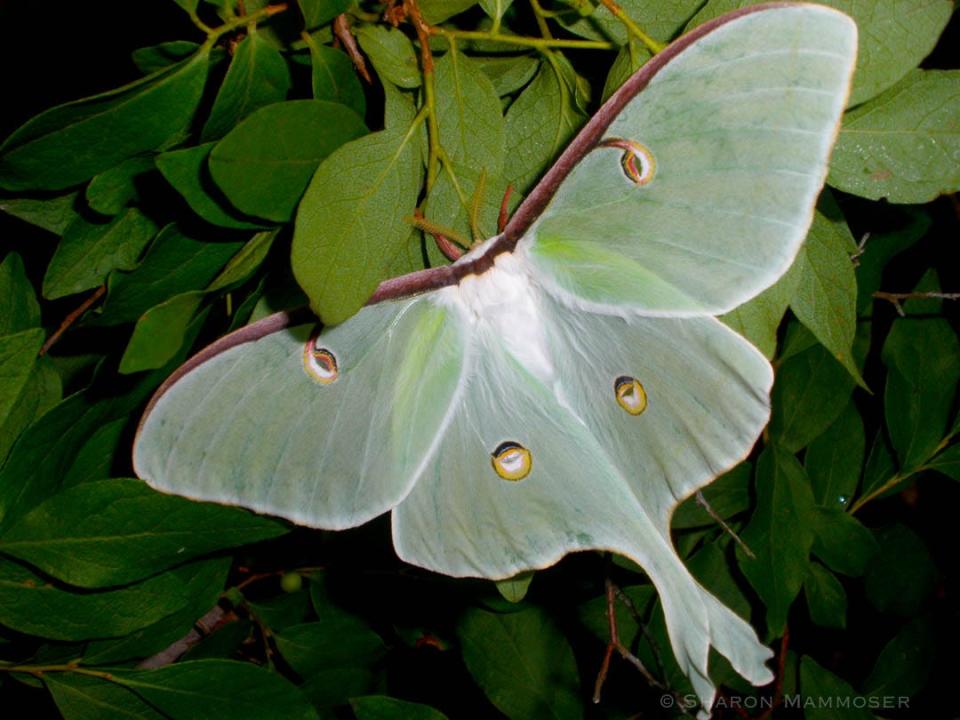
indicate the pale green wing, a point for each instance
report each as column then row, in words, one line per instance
column 327, row 432
column 541, row 459
column 708, row 189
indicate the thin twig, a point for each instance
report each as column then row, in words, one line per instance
column 214, row 619
column 72, row 318
column 341, row 28
column 896, row 298
column 504, row 209
column 702, row 502
column 781, row 669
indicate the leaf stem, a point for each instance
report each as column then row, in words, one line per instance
column 39, row 670
column 214, row 34
column 897, row 298
column 429, row 92
column 541, row 20
column 538, row 43
column 72, row 318
column 874, row 494
column 652, row 45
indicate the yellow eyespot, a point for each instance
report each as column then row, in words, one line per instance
column 637, row 161
column 630, row 394
column 511, row 461
column 320, row 363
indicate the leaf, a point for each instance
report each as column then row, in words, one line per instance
column 18, row 362
column 91, row 251
column 759, row 318
column 160, row 333
column 895, row 35
column 157, row 57
column 436, row 11
column 468, row 115
column 71, row 143
column 901, row 575
column 810, row 392
column 320, row 12
column 95, row 459
column 834, row 460
column 495, row 8
column 906, row 662
column 628, row 60
column 177, row 262
column 81, row 697
column 899, row 233
column 30, row 604
column 21, row 311
column 593, row 614
column 391, row 53
column 186, row 170
column 112, row 532
column 780, row 534
column 379, row 707
column 257, row 76
column 337, row 640
column 727, row 496
column 842, row 542
column 215, row 689
column 538, row 124
column 904, row 145
column 350, row 223
column 54, row 214
column 947, row 462
column 515, row 589
column 840, row 699
column 922, row 356
column 826, row 598
column 661, row 20
column 264, row 164
column 880, row 467
column 335, row 79
column 508, row 74
column 112, row 190
column 245, row 262
column 522, row 662
column 825, row 296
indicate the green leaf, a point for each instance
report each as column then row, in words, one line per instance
column 759, row 318
column 468, row 115
column 948, row 462
column 54, row 214
column 842, row 542
column 539, row 123
column 21, row 311
column 157, row 57
column 95, row 459
column 245, row 262
column 379, row 707
column 839, row 698
column 522, row 662
column 257, row 76
column 320, row 12
column 810, row 392
column 177, row 262
column 337, row 640
column 508, row 74
column 351, row 222
column 922, row 355
column 895, row 35
column 780, row 534
column 901, row 575
column 111, row 532
column 880, row 467
column 906, row 662
column 186, row 170
column 436, row 11
column 283, row 143
column 334, row 78
column 391, row 53
column 825, row 295
column 904, row 145
column 834, row 460
column 160, row 333
column 515, row 589
column 900, row 233
column 82, row 697
column 112, row 190
column 728, row 495
column 216, row 689
column 91, row 251
column 628, row 60
column 31, row 604
column 71, row 143
column 18, row 363
column 713, row 568
column 593, row 614
column 826, row 598
column 495, row 8
column 661, row 20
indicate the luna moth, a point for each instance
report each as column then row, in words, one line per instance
column 565, row 384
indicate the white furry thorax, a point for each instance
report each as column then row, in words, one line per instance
column 503, row 306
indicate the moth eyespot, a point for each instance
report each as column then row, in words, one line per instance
column 511, row 461
column 637, row 161
column 630, row 394
column 319, row 363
